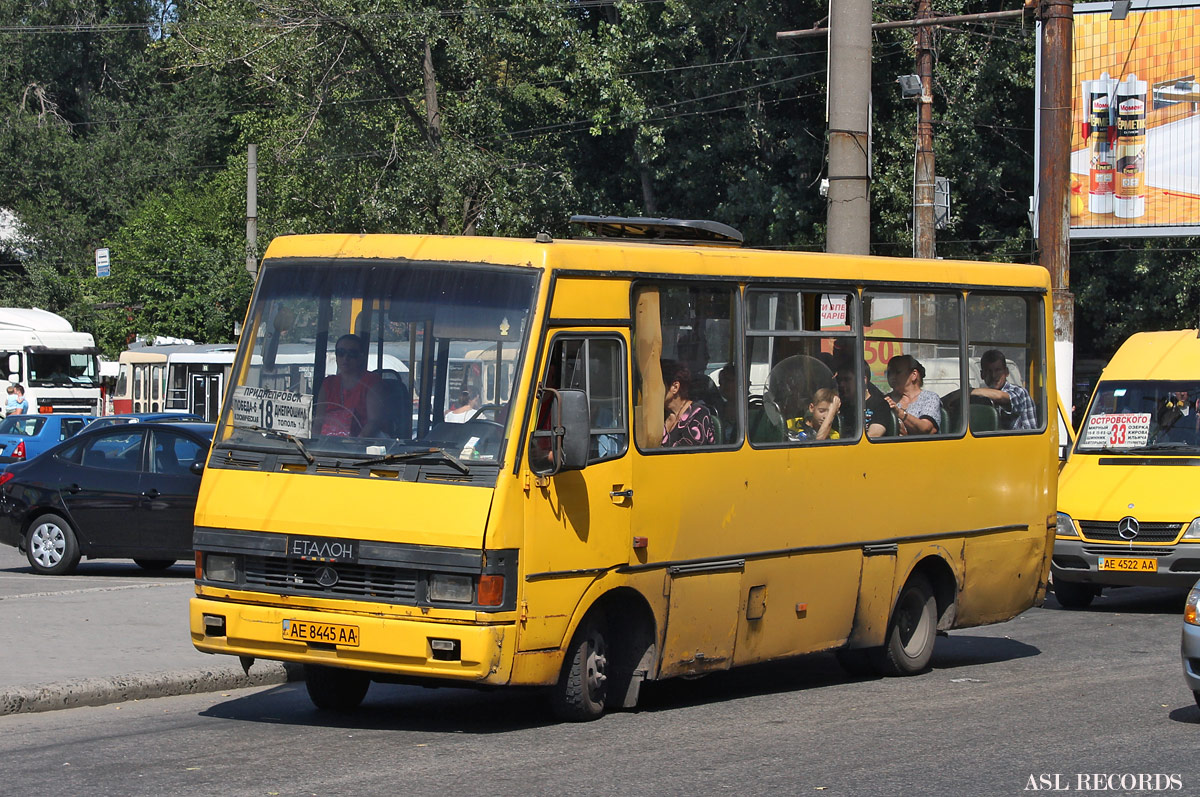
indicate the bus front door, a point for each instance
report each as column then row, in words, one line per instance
column 577, row 523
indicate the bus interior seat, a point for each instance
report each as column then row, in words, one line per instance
column 944, row 422
column 398, row 401
column 984, row 417
column 765, row 421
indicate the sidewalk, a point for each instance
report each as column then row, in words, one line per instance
column 86, row 641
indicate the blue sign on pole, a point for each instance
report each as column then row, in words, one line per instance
column 101, row 262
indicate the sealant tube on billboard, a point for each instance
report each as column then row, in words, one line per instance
column 1100, row 133
column 1130, row 196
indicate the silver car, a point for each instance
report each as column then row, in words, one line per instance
column 1191, row 641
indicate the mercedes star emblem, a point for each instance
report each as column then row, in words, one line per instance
column 1127, row 527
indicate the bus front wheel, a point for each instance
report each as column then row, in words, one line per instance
column 582, row 686
column 335, row 689
column 911, row 632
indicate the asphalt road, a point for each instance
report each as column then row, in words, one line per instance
column 1053, row 692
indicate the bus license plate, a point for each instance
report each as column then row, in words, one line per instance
column 1129, row 565
column 328, row 633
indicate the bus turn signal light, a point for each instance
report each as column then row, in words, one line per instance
column 491, row 590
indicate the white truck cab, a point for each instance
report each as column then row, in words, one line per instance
column 57, row 366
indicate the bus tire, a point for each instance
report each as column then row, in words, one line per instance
column 154, row 564
column 51, row 547
column 335, row 689
column 1073, row 595
column 582, row 688
column 911, row 632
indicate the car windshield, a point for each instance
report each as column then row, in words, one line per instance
column 377, row 360
column 1153, row 417
column 62, row 369
column 22, row 425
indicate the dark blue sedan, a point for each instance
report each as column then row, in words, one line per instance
column 127, row 491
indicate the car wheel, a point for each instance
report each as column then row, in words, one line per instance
column 911, row 631
column 1074, row 595
column 51, row 547
column 582, row 687
column 335, row 689
column 154, row 564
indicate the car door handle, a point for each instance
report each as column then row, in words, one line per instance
column 74, row 488
column 151, row 493
column 619, row 496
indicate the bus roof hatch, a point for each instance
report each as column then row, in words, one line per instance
column 674, row 231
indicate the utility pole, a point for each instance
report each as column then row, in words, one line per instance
column 923, row 171
column 252, row 211
column 1053, row 179
column 848, row 220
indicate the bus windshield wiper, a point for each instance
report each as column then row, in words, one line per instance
column 1177, row 447
column 399, row 456
column 283, row 436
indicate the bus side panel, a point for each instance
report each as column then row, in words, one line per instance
column 799, row 604
column 876, row 591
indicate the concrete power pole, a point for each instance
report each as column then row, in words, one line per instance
column 252, row 211
column 923, row 171
column 849, row 209
column 1054, row 178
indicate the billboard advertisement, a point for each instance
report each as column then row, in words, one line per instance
column 1135, row 141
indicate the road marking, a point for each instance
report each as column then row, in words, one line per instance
column 85, row 590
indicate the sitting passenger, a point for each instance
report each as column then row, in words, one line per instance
column 1016, row 408
column 917, row 411
column 818, row 421
column 467, row 407
column 688, row 423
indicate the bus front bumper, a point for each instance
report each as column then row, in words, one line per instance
column 1079, row 561
column 396, row 647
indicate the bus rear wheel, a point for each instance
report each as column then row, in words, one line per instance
column 335, row 689
column 582, row 686
column 911, row 632
column 1074, row 595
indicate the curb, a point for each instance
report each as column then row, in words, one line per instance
column 140, row 686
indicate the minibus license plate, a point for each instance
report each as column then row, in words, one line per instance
column 1129, row 565
column 328, row 633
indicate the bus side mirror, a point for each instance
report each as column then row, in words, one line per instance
column 14, row 364
column 560, row 443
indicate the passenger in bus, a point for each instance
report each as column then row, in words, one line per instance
column 692, row 350
column 351, row 401
column 1016, row 407
column 917, row 411
column 1178, row 419
column 875, row 409
column 688, row 422
column 822, row 411
column 467, row 407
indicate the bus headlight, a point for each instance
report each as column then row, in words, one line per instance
column 218, row 567
column 1190, row 608
column 453, row 589
column 1066, row 526
column 1193, row 530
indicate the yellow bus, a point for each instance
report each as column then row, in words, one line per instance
column 655, row 494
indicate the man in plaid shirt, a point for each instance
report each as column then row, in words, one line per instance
column 1016, row 407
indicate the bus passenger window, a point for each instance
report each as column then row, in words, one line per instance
column 678, row 402
column 1005, row 352
column 794, row 341
column 913, row 344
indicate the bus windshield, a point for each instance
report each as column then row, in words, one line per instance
column 1143, row 417
column 62, row 369
column 380, row 361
